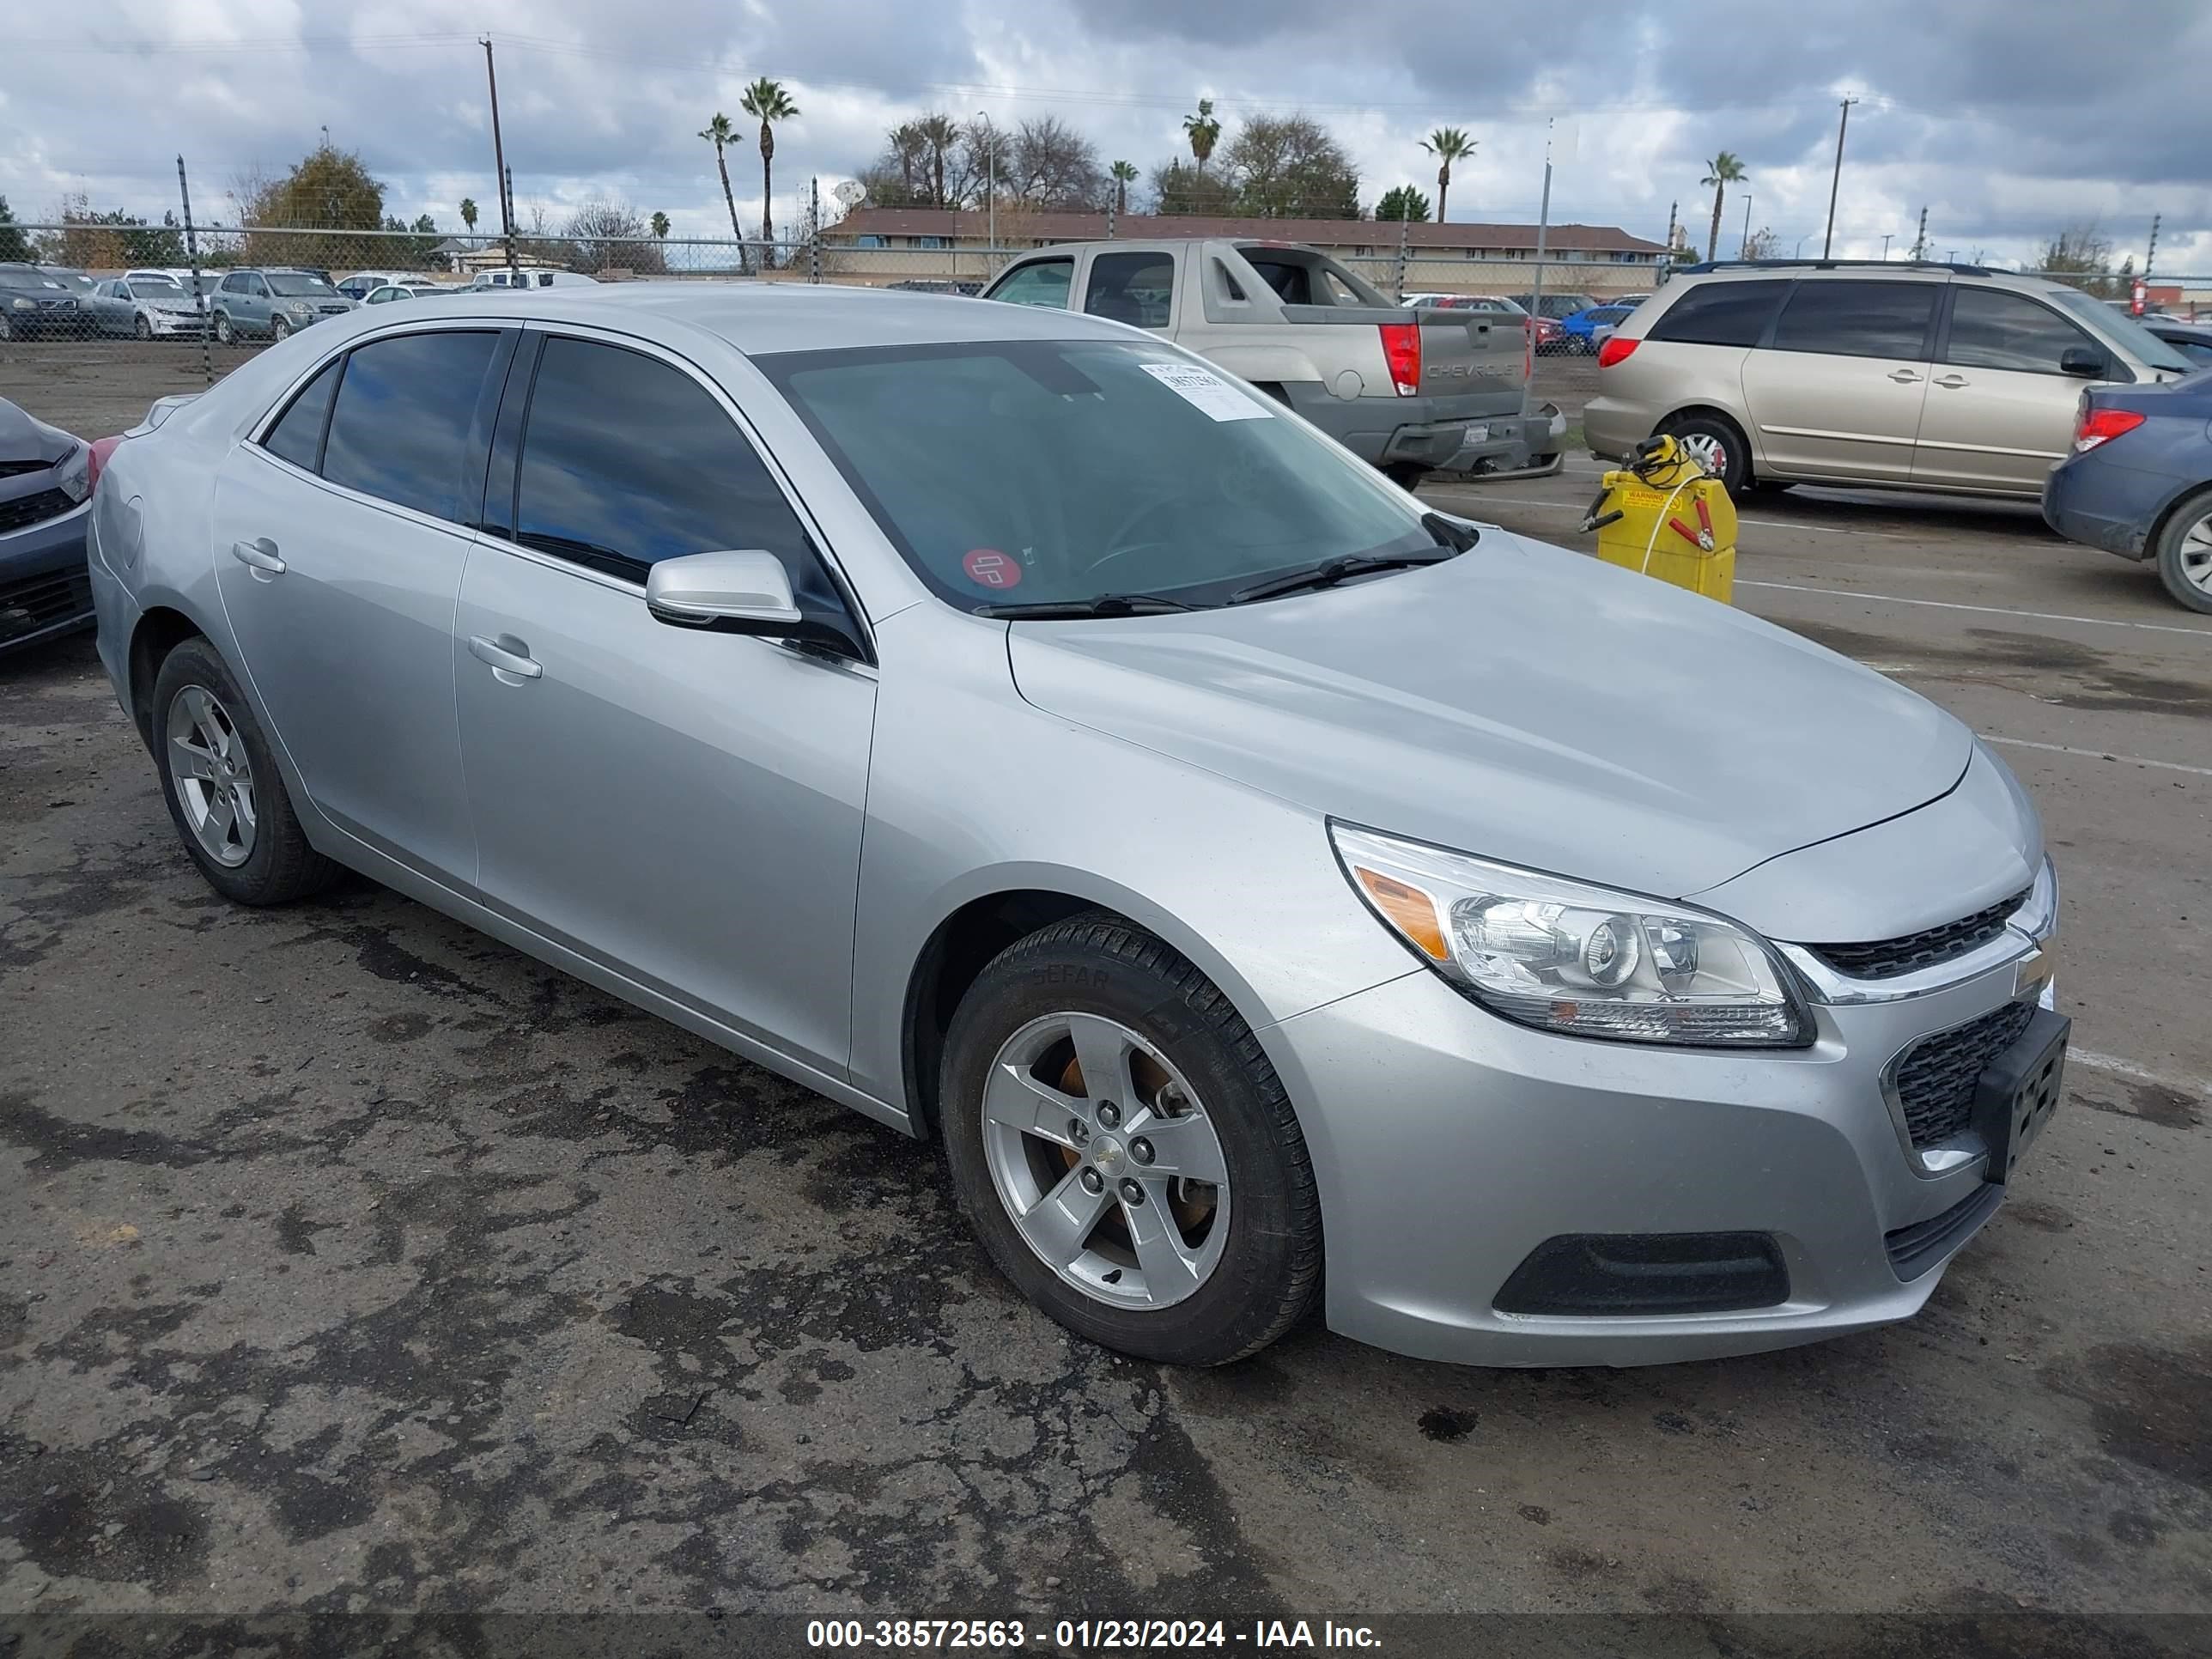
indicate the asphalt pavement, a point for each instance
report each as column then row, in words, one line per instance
column 349, row 1260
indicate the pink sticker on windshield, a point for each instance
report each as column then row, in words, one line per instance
column 988, row 568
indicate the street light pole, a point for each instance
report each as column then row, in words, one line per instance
column 1842, row 127
column 990, row 183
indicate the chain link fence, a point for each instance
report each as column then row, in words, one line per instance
column 223, row 290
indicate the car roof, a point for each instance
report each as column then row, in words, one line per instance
column 758, row 317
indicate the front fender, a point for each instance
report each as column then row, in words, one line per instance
column 973, row 792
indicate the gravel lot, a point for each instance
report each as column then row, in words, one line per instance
column 349, row 1260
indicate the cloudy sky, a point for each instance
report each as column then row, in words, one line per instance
column 2007, row 118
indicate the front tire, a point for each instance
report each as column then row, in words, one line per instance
column 224, row 791
column 142, row 329
column 2185, row 552
column 1123, row 1149
column 279, row 330
column 223, row 334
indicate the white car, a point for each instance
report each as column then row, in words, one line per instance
column 522, row 279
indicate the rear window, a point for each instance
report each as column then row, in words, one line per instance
column 1858, row 319
column 1721, row 314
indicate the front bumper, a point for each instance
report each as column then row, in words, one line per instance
column 1451, row 1144
column 44, row 587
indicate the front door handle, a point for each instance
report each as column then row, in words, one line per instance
column 508, row 657
column 1952, row 382
column 1904, row 376
column 259, row 556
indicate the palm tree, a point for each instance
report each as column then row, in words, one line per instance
column 1723, row 170
column 1205, row 132
column 937, row 134
column 767, row 102
column 1124, row 174
column 1447, row 144
column 660, row 227
column 720, row 133
column 469, row 212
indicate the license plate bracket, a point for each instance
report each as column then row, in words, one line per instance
column 2019, row 1090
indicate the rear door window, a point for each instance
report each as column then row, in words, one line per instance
column 1043, row 283
column 1859, row 320
column 1991, row 329
column 1131, row 288
column 400, row 427
column 1721, row 314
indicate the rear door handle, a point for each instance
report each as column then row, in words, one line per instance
column 1952, row 382
column 1904, row 376
column 258, row 555
column 510, row 661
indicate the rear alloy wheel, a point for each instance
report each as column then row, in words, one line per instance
column 1716, row 445
column 2185, row 552
column 223, row 788
column 1123, row 1149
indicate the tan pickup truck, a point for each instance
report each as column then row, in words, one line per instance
column 1410, row 391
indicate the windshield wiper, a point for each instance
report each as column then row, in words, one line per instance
column 1330, row 572
column 1105, row 605
column 1452, row 538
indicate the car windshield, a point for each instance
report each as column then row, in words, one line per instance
column 2117, row 328
column 155, row 288
column 1039, row 471
column 297, row 283
column 74, row 281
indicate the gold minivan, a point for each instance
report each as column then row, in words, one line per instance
column 1935, row 377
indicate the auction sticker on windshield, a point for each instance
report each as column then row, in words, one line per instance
column 1206, row 391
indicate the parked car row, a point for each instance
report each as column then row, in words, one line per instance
column 1948, row 378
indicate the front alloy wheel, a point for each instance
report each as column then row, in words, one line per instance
column 1123, row 1149
column 279, row 330
column 1104, row 1158
column 222, row 330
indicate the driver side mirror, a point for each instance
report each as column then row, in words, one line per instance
column 730, row 593
column 2083, row 362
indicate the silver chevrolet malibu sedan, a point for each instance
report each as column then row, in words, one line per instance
column 1267, row 892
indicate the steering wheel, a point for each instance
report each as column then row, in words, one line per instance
column 1118, row 544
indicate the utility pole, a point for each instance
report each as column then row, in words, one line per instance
column 1743, row 252
column 990, row 186
column 502, row 177
column 1886, row 237
column 199, row 289
column 1543, row 225
column 1920, row 242
column 1834, row 183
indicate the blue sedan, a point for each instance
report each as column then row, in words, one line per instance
column 1586, row 331
column 2139, row 482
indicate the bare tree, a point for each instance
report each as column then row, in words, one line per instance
column 1289, row 167
column 609, row 234
column 1054, row 167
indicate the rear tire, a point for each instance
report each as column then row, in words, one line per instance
column 270, row 862
column 1715, row 440
column 1157, row 1019
column 2185, row 552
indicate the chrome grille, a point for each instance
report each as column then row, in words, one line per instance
column 1934, row 1080
column 1887, row 958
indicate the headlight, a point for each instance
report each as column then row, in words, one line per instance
column 22, row 304
column 299, row 307
column 1565, row 957
column 74, row 474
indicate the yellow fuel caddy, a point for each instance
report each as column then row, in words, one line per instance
column 1665, row 516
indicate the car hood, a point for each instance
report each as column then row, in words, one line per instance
column 1522, row 703
column 23, row 439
